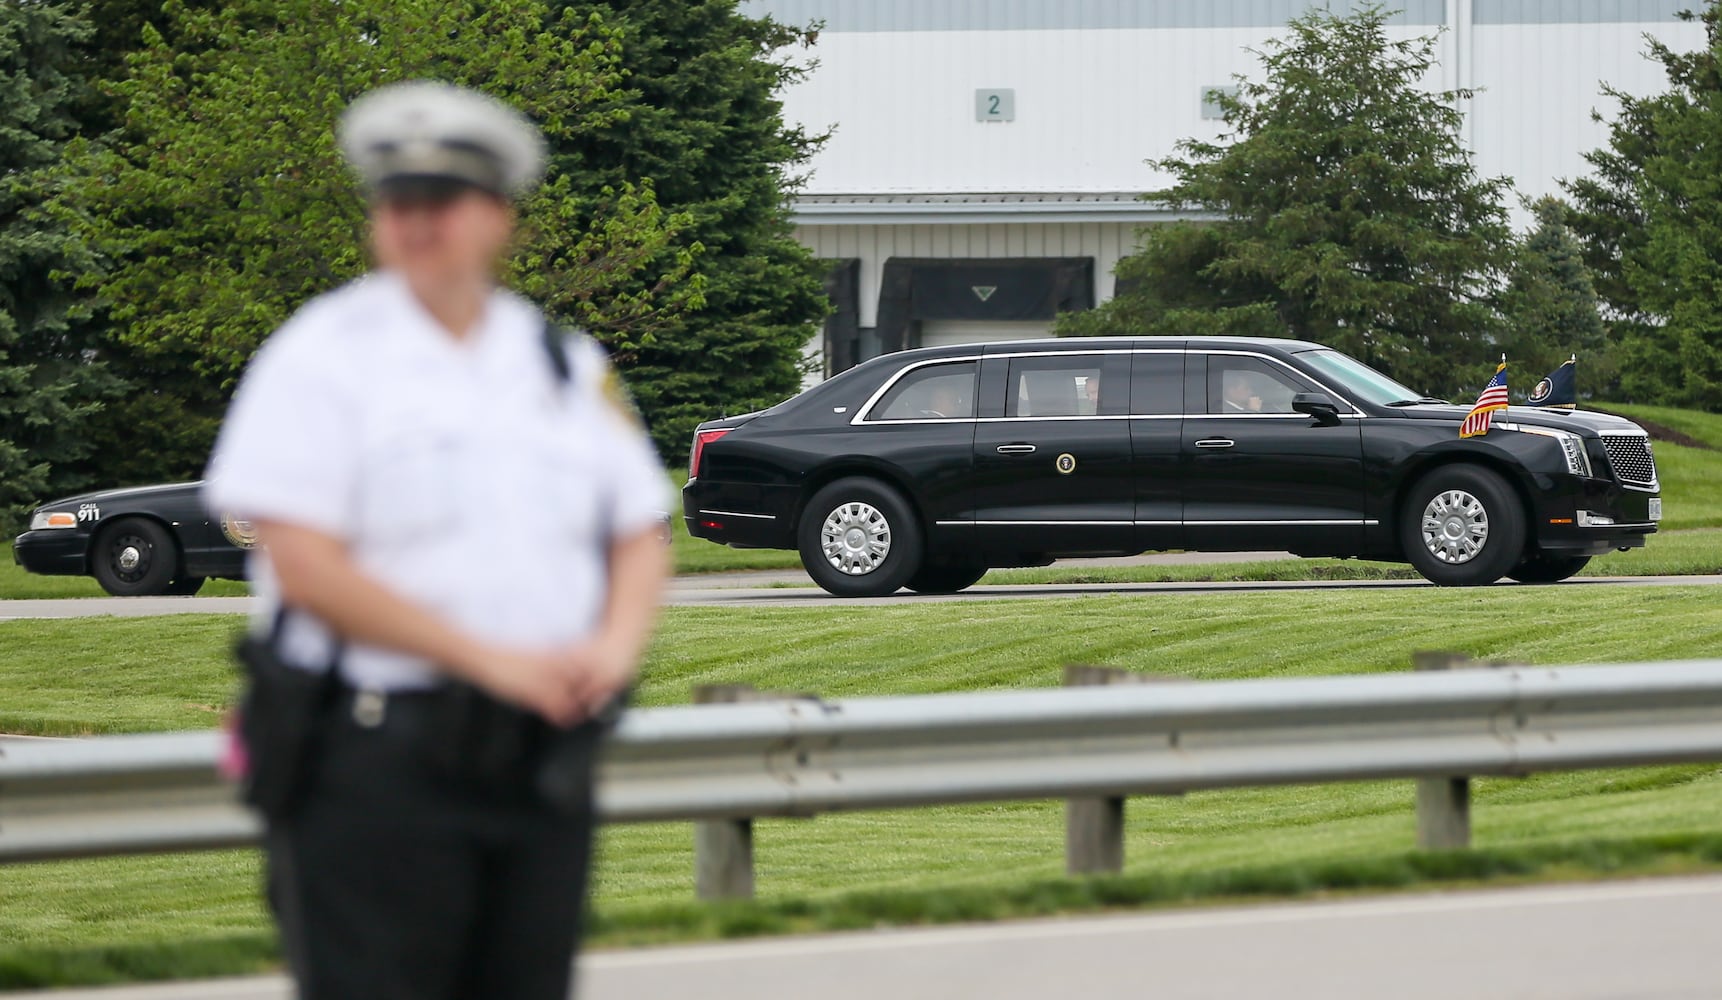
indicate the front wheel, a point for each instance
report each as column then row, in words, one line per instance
column 1462, row 526
column 135, row 557
column 1541, row 567
column 859, row 538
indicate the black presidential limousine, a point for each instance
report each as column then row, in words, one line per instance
column 923, row 469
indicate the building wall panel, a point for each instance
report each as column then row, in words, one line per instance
column 1092, row 105
column 1538, row 84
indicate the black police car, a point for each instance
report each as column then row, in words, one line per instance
column 923, row 469
column 137, row 541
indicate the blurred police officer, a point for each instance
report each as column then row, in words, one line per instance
column 448, row 500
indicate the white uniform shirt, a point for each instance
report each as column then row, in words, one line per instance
column 461, row 474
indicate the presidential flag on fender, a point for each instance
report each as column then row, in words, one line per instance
column 1560, row 390
column 1494, row 398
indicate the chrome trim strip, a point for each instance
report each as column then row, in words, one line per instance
column 865, row 408
column 1367, row 523
column 737, row 513
column 1014, row 524
column 1339, row 522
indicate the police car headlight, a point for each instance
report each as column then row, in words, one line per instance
column 1572, row 447
column 44, row 519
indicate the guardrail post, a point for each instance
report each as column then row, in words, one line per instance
column 723, row 848
column 1094, row 828
column 1443, row 804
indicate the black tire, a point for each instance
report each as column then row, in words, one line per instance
column 945, row 577
column 135, row 557
column 1476, row 526
column 1541, row 567
column 878, row 551
column 185, row 586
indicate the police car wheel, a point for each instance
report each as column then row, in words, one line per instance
column 1462, row 526
column 859, row 538
column 134, row 557
column 945, row 577
column 1541, row 567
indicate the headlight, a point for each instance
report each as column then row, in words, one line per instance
column 1572, row 446
column 53, row 519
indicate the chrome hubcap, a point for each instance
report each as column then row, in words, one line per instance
column 855, row 538
column 129, row 558
column 1455, row 527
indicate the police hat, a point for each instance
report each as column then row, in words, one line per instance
column 428, row 139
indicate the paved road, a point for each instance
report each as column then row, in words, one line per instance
column 1644, row 940
column 691, row 591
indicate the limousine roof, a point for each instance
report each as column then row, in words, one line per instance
column 1113, row 344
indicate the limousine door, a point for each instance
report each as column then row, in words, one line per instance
column 1156, row 420
column 1260, row 475
column 1052, row 465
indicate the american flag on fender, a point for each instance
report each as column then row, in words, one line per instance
column 1494, row 398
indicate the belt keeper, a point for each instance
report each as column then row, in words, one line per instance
column 370, row 707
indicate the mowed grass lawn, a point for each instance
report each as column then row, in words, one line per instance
column 156, row 916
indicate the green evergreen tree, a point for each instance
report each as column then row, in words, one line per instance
column 697, row 115
column 221, row 203
column 1651, row 218
column 49, row 384
column 1350, row 214
column 1550, row 309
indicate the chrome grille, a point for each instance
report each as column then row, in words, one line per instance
column 1629, row 455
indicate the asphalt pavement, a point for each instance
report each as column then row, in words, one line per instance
column 702, row 590
column 1643, row 940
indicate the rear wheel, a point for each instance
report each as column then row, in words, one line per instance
column 858, row 538
column 945, row 577
column 1541, row 567
column 135, row 557
column 1462, row 526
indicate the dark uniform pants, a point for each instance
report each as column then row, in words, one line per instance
column 396, row 881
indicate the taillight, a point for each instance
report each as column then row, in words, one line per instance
column 701, row 439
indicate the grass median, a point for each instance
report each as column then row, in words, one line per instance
column 199, row 913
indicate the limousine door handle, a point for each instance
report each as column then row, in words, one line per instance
column 1016, row 449
column 1215, row 443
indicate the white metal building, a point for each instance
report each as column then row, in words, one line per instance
column 986, row 155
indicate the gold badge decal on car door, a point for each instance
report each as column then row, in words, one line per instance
column 1065, row 463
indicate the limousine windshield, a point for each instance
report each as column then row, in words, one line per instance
column 1359, row 378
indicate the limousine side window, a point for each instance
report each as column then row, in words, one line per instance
column 1067, row 386
column 1242, row 385
column 932, row 392
column 1159, row 389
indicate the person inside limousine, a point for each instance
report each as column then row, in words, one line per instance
column 1240, row 393
column 946, row 400
column 1091, row 394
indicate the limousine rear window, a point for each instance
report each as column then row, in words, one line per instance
column 1355, row 378
column 934, row 392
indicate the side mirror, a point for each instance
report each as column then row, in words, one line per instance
column 1317, row 405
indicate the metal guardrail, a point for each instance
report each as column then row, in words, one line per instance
column 801, row 757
